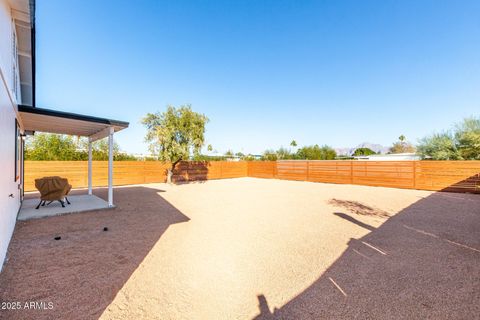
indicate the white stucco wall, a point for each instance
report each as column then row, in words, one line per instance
column 8, row 206
column 6, row 41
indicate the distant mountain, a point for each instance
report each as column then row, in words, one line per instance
column 378, row 148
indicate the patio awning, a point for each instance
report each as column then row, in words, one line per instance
column 53, row 121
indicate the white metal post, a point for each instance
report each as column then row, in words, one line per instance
column 110, row 167
column 89, row 167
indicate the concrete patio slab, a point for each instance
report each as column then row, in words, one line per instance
column 79, row 203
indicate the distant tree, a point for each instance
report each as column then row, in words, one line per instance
column 316, row 153
column 284, row 154
column 467, row 136
column 210, row 148
column 269, row 155
column 293, row 143
column 123, row 156
column 328, row 153
column 462, row 144
column 174, row 134
column 57, row 147
column 439, row 146
column 363, row 152
column 229, row 154
column 240, row 155
column 249, row 157
column 47, row 146
column 204, row 157
column 402, row 146
column 100, row 149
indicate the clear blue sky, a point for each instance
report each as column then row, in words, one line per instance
column 265, row 72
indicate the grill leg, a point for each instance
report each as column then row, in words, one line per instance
column 63, row 203
column 39, row 204
column 66, row 199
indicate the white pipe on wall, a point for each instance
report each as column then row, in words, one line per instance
column 89, row 167
column 110, row 167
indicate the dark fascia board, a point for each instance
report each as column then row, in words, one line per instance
column 73, row 116
column 31, row 4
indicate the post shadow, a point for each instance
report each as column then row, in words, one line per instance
column 353, row 220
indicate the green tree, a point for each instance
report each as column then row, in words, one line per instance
column 464, row 143
column 48, row 146
column 229, row 154
column 269, row 155
column 316, row 153
column 284, row 154
column 210, row 148
column 100, row 149
column 204, row 157
column 363, row 152
column 439, row 146
column 402, row 146
column 175, row 134
column 467, row 136
column 249, row 157
column 293, row 143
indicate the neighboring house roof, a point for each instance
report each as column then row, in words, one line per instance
column 391, row 156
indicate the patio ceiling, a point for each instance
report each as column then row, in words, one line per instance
column 52, row 121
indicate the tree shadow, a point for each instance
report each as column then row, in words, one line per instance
column 357, row 207
column 421, row 263
column 81, row 273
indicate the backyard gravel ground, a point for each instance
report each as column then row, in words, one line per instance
column 251, row 249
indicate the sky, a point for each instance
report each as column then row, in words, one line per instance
column 265, row 72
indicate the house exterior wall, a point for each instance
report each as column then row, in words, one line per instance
column 9, row 206
column 6, row 59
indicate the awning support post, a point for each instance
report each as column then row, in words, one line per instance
column 110, row 167
column 89, row 167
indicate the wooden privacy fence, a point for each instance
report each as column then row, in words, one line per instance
column 457, row 176
column 130, row 172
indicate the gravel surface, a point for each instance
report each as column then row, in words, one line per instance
column 251, row 248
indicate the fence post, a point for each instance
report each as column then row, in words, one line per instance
column 414, row 170
column 144, row 171
column 308, row 170
column 351, row 172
